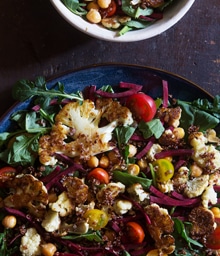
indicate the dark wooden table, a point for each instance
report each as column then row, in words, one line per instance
column 35, row 41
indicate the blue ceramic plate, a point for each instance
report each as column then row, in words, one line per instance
column 112, row 74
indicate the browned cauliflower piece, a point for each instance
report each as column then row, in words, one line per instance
column 77, row 190
column 171, row 116
column 205, row 155
column 27, row 192
column 76, row 131
column 161, row 228
column 203, row 223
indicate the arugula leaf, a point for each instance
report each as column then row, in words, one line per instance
column 191, row 115
column 154, row 127
column 134, row 12
column 24, row 150
column 25, row 89
column 128, row 179
column 181, row 230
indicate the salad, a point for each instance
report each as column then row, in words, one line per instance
column 109, row 171
column 119, row 15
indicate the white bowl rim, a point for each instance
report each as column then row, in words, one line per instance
column 171, row 17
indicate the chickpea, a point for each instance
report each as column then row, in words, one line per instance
column 92, row 5
column 104, row 162
column 94, row 16
column 133, row 169
column 156, row 252
column 179, row 132
column 48, row 249
column 93, row 162
column 142, row 164
column 196, row 171
column 104, row 3
column 9, row 221
column 216, row 211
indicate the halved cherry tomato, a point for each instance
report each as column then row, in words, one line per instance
column 142, row 106
column 213, row 241
column 6, row 173
column 135, row 232
column 108, row 12
column 96, row 218
column 99, row 174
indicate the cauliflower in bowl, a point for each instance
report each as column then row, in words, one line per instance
column 77, row 130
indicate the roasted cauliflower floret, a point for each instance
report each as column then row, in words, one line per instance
column 122, row 206
column 27, row 192
column 161, row 228
column 209, row 196
column 196, row 186
column 156, row 148
column 203, row 222
column 137, row 192
column 107, row 194
column 30, row 243
column 63, row 205
column 76, row 131
column 51, row 221
column 205, row 155
column 170, row 116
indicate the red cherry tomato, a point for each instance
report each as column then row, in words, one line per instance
column 110, row 11
column 142, row 106
column 99, row 174
column 6, row 173
column 213, row 241
column 135, row 232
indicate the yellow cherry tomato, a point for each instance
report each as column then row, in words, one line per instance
column 164, row 170
column 97, row 219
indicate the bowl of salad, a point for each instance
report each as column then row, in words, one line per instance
column 122, row 21
column 110, row 160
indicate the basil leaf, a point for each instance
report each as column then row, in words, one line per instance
column 154, row 127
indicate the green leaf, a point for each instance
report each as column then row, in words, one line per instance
column 23, row 151
column 128, row 179
column 90, row 236
column 123, row 134
column 75, row 7
column 154, row 127
column 180, row 228
column 194, row 116
column 26, row 89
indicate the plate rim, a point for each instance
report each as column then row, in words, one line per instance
column 121, row 65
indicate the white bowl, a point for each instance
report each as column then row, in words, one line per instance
column 171, row 16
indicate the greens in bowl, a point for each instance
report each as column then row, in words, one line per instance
column 120, row 15
column 109, row 170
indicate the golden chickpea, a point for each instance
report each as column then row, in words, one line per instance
column 48, row 249
column 9, row 221
column 142, row 164
column 94, row 16
column 196, row 171
column 104, row 3
column 133, row 169
column 216, row 211
column 156, row 252
column 93, row 162
column 104, row 162
column 92, row 5
column 179, row 132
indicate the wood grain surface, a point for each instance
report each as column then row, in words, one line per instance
column 35, row 40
